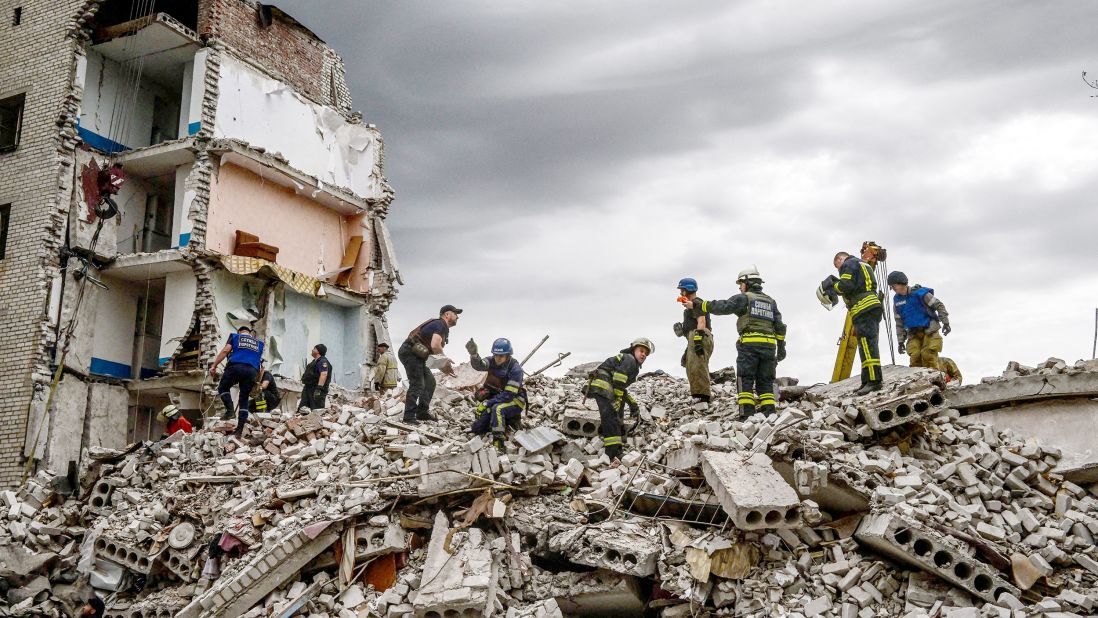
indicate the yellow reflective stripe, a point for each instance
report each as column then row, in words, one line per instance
column 620, row 377
column 780, row 337
column 611, row 441
column 514, row 403
column 846, row 276
column 511, row 389
column 697, row 337
column 746, row 398
column 618, row 392
column 868, row 278
column 705, row 306
column 766, row 398
column 597, row 383
column 770, row 340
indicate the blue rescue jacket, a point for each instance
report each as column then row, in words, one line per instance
column 246, row 349
column 912, row 308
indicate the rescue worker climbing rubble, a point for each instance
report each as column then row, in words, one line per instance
column 245, row 354
column 425, row 339
column 696, row 326
column 502, row 398
column 761, row 344
column 919, row 317
column 608, row 385
column 858, row 287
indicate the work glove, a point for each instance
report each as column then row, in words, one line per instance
column 781, row 351
column 903, row 347
column 677, row 326
column 945, row 328
column 481, row 409
column 699, row 349
column 471, row 346
column 634, row 409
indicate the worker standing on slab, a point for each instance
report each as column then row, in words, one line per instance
column 919, row 318
column 316, row 379
column 502, row 398
column 245, row 354
column 426, row 339
column 859, row 289
column 951, row 370
column 176, row 420
column 386, row 376
column 608, row 384
column 698, row 330
column 761, row 343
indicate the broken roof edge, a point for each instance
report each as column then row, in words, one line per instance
column 132, row 27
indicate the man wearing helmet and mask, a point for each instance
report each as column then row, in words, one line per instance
column 502, row 398
column 176, row 420
column 761, row 344
column 608, row 384
column 919, row 318
column 697, row 328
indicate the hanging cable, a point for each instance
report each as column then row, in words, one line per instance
column 882, row 275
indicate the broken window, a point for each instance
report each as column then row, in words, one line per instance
column 17, row 16
column 5, row 215
column 115, row 12
column 11, row 121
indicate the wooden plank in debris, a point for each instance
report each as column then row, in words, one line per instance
column 350, row 256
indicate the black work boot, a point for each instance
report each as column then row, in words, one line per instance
column 767, row 410
column 425, row 416
column 868, row 388
column 746, row 410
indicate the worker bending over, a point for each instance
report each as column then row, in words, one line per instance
column 698, row 330
column 608, row 384
column 951, row 370
column 176, row 420
column 502, row 398
column 245, row 353
column 919, row 317
column 761, row 343
column 858, row 287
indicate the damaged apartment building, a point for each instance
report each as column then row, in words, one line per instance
column 247, row 191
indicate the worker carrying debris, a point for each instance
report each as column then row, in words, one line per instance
column 386, row 376
column 502, row 398
column 245, row 354
column 316, row 379
column 608, row 384
column 950, row 369
column 176, row 420
column 761, row 344
column 426, row 339
column 859, row 290
column 696, row 326
column 919, row 317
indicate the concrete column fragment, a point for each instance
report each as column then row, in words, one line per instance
column 753, row 494
column 580, row 423
column 621, row 548
column 460, row 575
column 882, row 414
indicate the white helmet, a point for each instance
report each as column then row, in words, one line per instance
column 169, row 411
column 644, row 342
column 749, row 275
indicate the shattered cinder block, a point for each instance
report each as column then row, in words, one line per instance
column 882, row 414
column 122, row 553
column 444, row 473
column 459, row 576
column 753, row 494
column 580, row 422
column 914, row 544
column 613, row 546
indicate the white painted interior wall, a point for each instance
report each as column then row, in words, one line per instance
column 180, row 289
column 105, row 87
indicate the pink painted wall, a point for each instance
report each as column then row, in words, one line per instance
column 302, row 229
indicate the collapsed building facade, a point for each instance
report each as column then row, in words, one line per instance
column 251, row 192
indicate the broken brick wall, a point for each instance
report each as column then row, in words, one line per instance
column 285, row 48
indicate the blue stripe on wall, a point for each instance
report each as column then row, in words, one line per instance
column 194, row 127
column 109, row 368
column 99, row 142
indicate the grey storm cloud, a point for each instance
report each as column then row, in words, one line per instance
column 558, row 166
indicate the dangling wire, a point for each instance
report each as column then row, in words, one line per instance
column 882, row 275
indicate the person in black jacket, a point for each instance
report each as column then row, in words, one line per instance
column 317, row 379
column 608, row 384
column 858, row 287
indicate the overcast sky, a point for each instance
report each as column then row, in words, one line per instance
column 558, row 166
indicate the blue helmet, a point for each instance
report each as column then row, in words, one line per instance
column 688, row 284
column 502, row 346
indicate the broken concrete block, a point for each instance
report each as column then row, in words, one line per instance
column 537, row 439
column 753, row 494
column 444, row 473
column 458, row 582
column 612, row 546
column 581, row 422
column 892, row 411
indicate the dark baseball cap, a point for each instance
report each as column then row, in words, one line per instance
column 446, row 308
column 382, row 345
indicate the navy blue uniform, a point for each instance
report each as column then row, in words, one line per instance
column 241, row 370
column 506, row 399
column 313, row 394
column 421, row 382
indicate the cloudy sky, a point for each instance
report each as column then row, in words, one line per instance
column 559, row 166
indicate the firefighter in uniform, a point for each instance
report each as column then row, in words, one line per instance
column 919, row 317
column 697, row 327
column 608, row 385
column 761, row 345
column 858, row 287
column 502, row 398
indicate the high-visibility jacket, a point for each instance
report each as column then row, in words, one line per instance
column 759, row 321
column 611, row 379
column 857, row 285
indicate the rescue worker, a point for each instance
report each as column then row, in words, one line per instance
column 950, row 369
column 386, row 376
column 502, row 398
column 176, row 420
column 245, row 354
column 761, row 343
column 919, row 317
column 698, row 330
column 426, row 339
column 608, row 384
column 858, row 287
column 266, row 398
column 316, row 379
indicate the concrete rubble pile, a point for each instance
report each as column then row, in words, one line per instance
column 893, row 504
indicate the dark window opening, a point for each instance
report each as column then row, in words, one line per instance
column 115, row 12
column 17, row 16
column 11, row 121
column 266, row 16
column 5, row 216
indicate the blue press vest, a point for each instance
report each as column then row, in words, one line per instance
column 912, row 309
column 246, row 349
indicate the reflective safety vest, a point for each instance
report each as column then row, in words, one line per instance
column 912, row 309
column 756, row 325
column 246, row 349
column 612, row 377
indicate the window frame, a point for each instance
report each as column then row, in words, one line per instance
column 22, row 96
column 5, row 223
